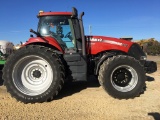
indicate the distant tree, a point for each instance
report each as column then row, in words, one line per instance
column 153, row 50
column 150, row 46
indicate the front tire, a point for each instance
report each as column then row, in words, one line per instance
column 33, row 74
column 122, row 77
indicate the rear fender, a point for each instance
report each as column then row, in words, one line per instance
column 50, row 41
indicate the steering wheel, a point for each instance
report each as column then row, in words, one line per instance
column 67, row 35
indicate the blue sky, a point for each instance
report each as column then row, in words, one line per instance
column 139, row 19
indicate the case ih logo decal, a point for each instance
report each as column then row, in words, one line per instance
column 106, row 41
column 94, row 39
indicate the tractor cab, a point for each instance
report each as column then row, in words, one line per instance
column 63, row 27
column 58, row 27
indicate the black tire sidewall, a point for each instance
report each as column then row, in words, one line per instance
column 51, row 59
column 129, row 61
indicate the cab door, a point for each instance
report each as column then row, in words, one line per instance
column 76, row 62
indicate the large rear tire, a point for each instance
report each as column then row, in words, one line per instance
column 33, row 74
column 122, row 77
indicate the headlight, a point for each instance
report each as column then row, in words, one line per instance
column 143, row 58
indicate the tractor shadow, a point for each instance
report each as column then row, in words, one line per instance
column 149, row 78
column 155, row 115
column 71, row 88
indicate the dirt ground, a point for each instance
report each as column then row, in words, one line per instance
column 87, row 101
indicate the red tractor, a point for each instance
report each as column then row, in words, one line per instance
column 60, row 51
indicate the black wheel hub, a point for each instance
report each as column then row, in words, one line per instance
column 121, row 77
column 37, row 74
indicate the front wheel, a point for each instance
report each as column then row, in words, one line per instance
column 122, row 77
column 33, row 74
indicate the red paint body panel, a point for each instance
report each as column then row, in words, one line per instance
column 97, row 44
column 48, row 40
column 94, row 44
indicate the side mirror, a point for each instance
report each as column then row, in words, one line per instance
column 31, row 35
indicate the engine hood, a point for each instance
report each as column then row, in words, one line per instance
column 96, row 44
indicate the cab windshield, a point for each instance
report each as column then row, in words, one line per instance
column 58, row 27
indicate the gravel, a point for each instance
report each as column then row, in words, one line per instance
column 86, row 101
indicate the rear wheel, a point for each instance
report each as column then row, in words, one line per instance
column 122, row 77
column 33, row 74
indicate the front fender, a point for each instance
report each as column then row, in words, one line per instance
column 103, row 58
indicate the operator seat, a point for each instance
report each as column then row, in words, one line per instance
column 58, row 36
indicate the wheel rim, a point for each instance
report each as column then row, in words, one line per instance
column 32, row 75
column 124, row 78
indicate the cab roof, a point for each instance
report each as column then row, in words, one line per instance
column 42, row 13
